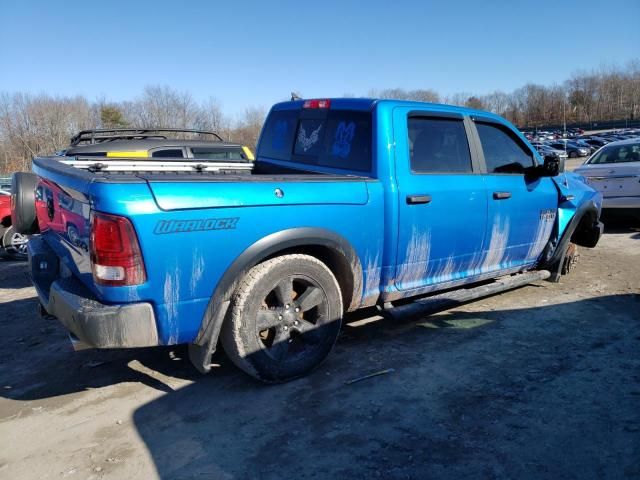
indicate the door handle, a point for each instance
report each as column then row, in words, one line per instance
column 501, row 195
column 416, row 199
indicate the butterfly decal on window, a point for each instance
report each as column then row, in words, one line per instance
column 307, row 142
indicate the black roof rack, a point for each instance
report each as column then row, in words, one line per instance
column 99, row 135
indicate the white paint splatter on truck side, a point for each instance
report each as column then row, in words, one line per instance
column 416, row 262
column 541, row 237
column 497, row 245
column 372, row 273
column 171, row 295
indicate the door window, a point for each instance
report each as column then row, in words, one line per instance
column 503, row 151
column 438, row 145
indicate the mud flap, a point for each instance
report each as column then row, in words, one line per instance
column 200, row 353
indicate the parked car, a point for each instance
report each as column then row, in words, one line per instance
column 12, row 243
column 573, row 150
column 596, row 141
column 584, row 144
column 5, row 185
column 614, row 171
column 351, row 203
column 156, row 143
column 63, row 214
column 546, row 150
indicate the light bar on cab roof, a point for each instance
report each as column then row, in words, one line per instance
column 317, row 103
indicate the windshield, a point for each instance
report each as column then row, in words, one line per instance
column 326, row 138
column 617, row 154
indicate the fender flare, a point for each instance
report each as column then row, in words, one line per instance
column 205, row 342
column 554, row 263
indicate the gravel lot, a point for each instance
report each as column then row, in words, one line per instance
column 541, row 382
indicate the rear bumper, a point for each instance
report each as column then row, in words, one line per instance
column 92, row 322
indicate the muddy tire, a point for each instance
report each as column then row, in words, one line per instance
column 284, row 318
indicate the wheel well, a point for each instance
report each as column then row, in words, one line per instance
column 337, row 263
column 6, row 221
column 582, row 233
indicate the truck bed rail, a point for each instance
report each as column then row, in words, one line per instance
column 164, row 165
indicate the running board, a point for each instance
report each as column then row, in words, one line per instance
column 454, row 298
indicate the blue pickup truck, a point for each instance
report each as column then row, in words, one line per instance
column 351, row 203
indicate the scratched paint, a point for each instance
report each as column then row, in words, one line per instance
column 171, row 296
column 372, row 275
column 476, row 262
column 541, row 237
column 416, row 262
column 447, row 271
column 497, row 245
column 197, row 271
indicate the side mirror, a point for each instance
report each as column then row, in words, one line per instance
column 552, row 166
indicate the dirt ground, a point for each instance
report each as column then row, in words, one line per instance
column 540, row 382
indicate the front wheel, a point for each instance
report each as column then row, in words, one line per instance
column 284, row 318
column 15, row 244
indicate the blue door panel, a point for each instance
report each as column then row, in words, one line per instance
column 441, row 240
column 519, row 226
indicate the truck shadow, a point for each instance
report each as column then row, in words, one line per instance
column 456, row 384
column 466, row 393
column 16, row 271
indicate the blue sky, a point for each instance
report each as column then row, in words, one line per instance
column 254, row 53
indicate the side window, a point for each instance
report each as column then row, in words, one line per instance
column 617, row 154
column 229, row 153
column 276, row 139
column 438, row 145
column 503, row 150
column 171, row 153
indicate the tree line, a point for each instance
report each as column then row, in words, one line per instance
column 32, row 125
column 585, row 98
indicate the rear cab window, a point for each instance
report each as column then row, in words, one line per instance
column 323, row 138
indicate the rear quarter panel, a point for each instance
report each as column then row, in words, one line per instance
column 187, row 250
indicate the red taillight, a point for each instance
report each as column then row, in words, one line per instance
column 316, row 104
column 115, row 253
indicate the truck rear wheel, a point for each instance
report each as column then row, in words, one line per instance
column 284, row 318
